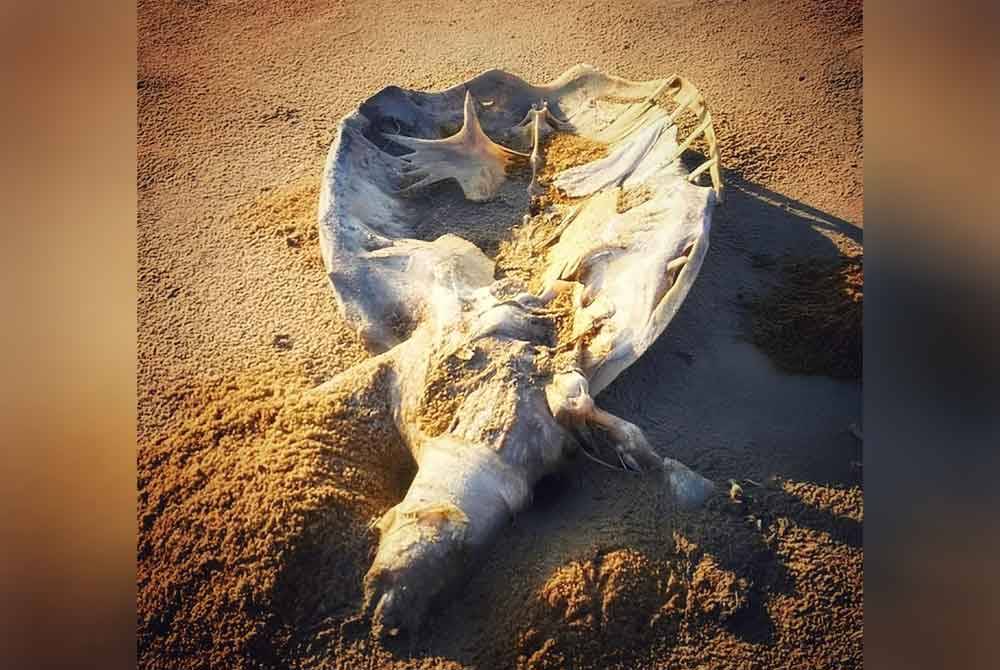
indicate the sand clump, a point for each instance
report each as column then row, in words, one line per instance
column 740, row 583
column 621, row 604
column 454, row 378
column 715, row 592
column 811, row 323
column 563, row 151
column 448, row 382
column 633, row 197
column 521, row 256
column 254, row 512
column 604, row 605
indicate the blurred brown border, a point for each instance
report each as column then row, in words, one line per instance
column 932, row 366
column 67, row 563
column 931, row 415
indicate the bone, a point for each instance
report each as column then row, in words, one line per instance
column 674, row 267
column 541, row 123
column 469, row 156
column 569, row 400
column 629, row 441
column 534, row 188
column 547, row 124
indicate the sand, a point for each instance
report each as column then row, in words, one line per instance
column 236, row 508
column 255, row 497
column 811, row 321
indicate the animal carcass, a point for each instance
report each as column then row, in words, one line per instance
column 507, row 284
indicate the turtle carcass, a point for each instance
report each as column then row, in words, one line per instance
column 505, row 296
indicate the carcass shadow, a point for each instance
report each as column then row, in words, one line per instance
column 705, row 395
column 742, row 193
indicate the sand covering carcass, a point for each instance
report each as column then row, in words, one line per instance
column 507, row 250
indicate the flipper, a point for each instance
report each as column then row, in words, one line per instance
column 570, row 402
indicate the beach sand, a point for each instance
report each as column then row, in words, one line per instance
column 255, row 498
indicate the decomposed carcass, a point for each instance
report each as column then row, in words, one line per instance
column 507, row 250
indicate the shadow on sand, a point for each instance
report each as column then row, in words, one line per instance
column 706, row 396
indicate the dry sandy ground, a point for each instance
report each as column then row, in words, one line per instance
column 253, row 501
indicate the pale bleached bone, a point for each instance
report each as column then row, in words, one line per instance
column 537, row 116
column 469, row 156
column 687, row 97
column 523, row 132
column 425, row 304
column 550, row 120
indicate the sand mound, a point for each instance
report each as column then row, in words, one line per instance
column 743, row 581
column 605, row 605
column 811, row 322
column 254, row 513
column 622, row 604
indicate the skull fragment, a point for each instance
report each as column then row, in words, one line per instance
column 509, row 249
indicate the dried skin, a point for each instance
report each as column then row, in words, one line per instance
column 608, row 606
